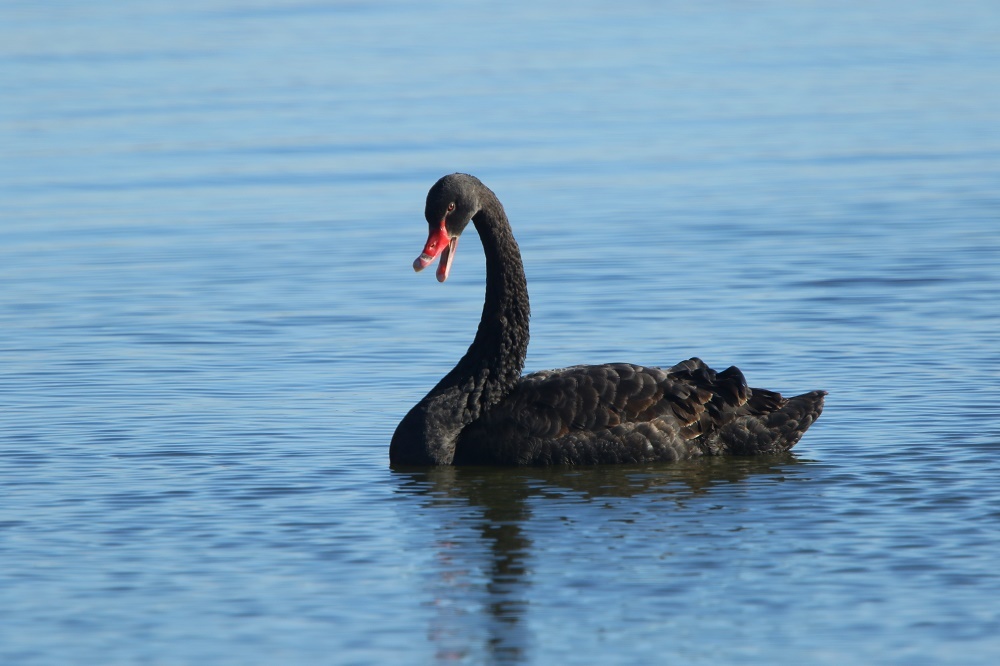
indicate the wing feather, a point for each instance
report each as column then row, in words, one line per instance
column 553, row 403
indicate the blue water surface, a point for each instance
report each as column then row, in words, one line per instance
column 209, row 328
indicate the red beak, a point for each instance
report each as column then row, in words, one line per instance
column 439, row 243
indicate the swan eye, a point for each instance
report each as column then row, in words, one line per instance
column 451, row 207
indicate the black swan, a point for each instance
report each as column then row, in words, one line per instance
column 484, row 412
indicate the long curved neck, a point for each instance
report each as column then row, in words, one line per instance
column 491, row 367
column 493, row 364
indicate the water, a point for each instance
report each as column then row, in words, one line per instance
column 209, row 328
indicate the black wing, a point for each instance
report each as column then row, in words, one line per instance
column 552, row 403
column 617, row 412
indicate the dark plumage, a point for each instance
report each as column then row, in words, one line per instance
column 484, row 412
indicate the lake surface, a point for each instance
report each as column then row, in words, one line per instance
column 209, row 328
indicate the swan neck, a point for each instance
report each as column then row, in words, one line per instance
column 491, row 367
column 496, row 356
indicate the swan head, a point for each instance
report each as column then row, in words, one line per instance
column 451, row 205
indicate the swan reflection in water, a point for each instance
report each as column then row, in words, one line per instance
column 482, row 524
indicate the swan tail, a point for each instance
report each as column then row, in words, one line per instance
column 772, row 430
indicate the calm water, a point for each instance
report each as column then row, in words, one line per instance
column 209, row 328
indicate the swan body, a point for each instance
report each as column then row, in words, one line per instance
column 484, row 412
